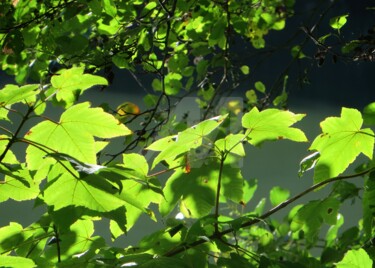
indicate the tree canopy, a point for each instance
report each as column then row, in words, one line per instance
column 180, row 169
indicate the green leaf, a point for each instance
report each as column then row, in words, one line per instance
column 332, row 232
column 245, row 69
column 198, row 196
column 251, row 96
column 11, row 94
column 278, row 195
column 11, row 236
column 338, row 22
column 310, row 217
column 92, row 192
column 297, row 53
column 249, row 188
column 341, row 141
column 260, row 86
column 16, row 262
column 72, row 135
column 150, row 100
column 72, row 82
column 281, row 99
column 344, row 190
column 77, row 240
column 263, row 236
column 110, row 8
column 159, row 242
column 368, row 114
column 232, row 144
column 148, row 7
column 272, row 124
column 19, row 186
column 10, row 157
column 173, row 83
column 191, row 138
column 139, row 190
column 355, row 258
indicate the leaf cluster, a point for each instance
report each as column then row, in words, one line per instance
column 166, row 167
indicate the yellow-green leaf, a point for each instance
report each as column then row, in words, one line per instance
column 72, row 135
column 341, row 141
column 355, row 258
column 272, row 124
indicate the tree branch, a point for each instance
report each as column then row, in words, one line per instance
column 14, row 136
column 272, row 211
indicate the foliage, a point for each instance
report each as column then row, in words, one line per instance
column 168, row 166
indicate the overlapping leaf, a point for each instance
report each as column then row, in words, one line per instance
column 355, row 258
column 106, row 191
column 272, row 124
column 18, row 185
column 16, row 262
column 341, row 141
column 232, row 143
column 71, row 81
column 191, row 138
column 11, row 94
column 78, row 240
column 72, row 135
column 311, row 216
column 196, row 190
column 92, row 192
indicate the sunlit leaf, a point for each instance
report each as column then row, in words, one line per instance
column 338, row 22
column 272, row 124
column 110, row 7
column 16, row 262
column 18, row 186
column 341, row 141
column 11, row 94
column 72, row 135
column 355, row 258
column 11, row 236
column 278, row 195
column 71, row 82
column 92, row 192
column 232, row 143
column 78, row 240
column 188, row 139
